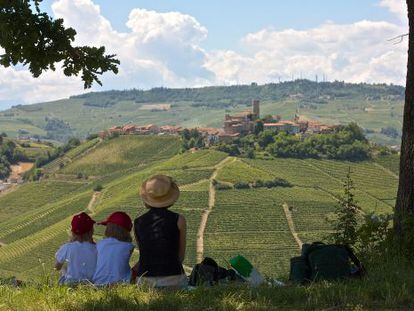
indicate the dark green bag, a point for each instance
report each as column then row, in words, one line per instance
column 328, row 262
column 299, row 270
column 321, row 261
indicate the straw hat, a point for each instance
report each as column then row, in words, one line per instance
column 159, row 191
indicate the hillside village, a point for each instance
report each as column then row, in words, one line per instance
column 234, row 126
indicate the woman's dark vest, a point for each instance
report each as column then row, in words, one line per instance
column 158, row 242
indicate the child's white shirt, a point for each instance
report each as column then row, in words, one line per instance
column 113, row 262
column 80, row 259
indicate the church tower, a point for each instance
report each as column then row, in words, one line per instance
column 256, row 108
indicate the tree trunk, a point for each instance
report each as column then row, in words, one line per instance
column 404, row 208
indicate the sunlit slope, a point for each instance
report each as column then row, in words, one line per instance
column 375, row 185
column 71, row 155
column 35, row 218
column 123, row 153
column 30, row 197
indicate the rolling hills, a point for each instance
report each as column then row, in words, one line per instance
column 377, row 108
column 259, row 223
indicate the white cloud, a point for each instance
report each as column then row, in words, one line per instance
column 165, row 49
column 19, row 86
column 397, row 7
column 160, row 49
column 357, row 52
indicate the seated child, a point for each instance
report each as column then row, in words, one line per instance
column 79, row 254
column 114, row 251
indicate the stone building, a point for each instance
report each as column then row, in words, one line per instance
column 244, row 122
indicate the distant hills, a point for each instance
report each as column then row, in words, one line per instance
column 375, row 107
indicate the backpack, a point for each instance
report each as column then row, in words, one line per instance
column 321, row 261
column 208, row 273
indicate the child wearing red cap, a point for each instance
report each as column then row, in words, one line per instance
column 114, row 251
column 79, row 254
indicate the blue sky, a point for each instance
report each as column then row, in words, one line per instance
column 190, row 43
column 228, row 21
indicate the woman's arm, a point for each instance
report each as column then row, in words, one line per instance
column 182, row 226
column 134, row 269
column 58, row 265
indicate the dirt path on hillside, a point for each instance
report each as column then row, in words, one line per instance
column 2, row 244
column 92, row 202
column 18, row 170
column 206, row 212
column 291, row 225
column 186, row 186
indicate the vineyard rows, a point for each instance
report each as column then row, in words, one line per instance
column 375, row 188
column 390, row 162
column 123, row 153
column 48, row 215
column 198, row 159
column 70, row 155
column 30, row 197
column 34, row 219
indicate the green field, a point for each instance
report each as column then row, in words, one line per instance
column 373, row 107
column 35, row 217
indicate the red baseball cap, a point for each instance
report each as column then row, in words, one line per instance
column 82, row 223
column 119, row 218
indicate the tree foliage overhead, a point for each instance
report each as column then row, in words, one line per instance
column 31, row 37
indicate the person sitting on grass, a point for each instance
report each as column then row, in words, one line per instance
column 79, row 254
column 161, row 236
column 114, row 251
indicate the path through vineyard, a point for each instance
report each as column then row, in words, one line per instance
column 211, row 203
column 292, row 225
column 92, row 202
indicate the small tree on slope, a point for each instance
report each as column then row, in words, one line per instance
column 345, row 226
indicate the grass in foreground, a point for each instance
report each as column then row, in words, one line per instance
column 389, row 285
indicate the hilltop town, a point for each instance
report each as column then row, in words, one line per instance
column 234, row 126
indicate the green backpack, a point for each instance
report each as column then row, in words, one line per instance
column 321, row 261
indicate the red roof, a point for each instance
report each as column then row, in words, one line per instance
column 129, row 127
column 210, row 130
column 280, row 123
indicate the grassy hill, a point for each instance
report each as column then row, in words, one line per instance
column 35, row 217
column 373, row 107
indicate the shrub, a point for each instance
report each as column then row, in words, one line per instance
column 373, row 233
column 220, row 186
column 277, row 182
column 79, row 176
column 98, row 187
column 280, row 182
column 258, row 184
column 242, row 185
column 92, row 136
column 268, row 184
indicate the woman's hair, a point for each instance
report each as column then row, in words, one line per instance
column 117, row 232
column 86, row 237
column 149, row 206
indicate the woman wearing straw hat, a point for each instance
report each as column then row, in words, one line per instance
column 160, row 235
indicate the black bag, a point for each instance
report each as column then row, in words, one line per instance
column 321, row 261
column 208, row 273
